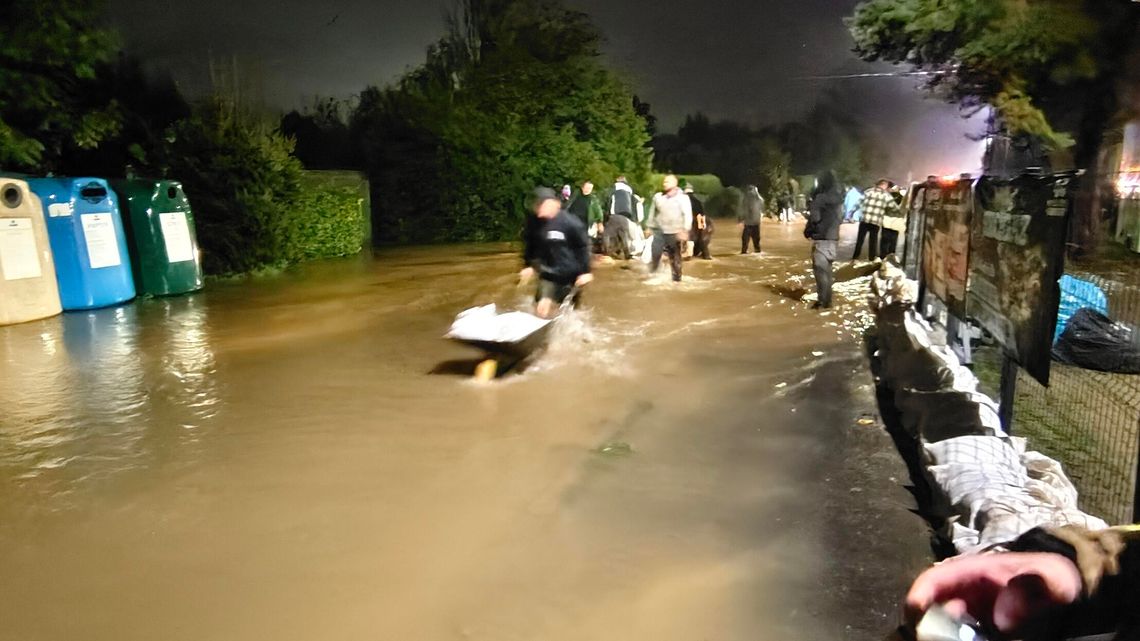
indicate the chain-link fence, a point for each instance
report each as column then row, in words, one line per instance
column 1089, row 420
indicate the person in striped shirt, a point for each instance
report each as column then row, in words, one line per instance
column 877, row 203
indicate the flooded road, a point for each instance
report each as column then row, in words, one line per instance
column 302, row 457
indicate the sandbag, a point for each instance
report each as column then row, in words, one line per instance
column 942, row 415
column 1093, row 341
column 983, row 451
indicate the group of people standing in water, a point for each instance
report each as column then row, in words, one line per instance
column 568, row 229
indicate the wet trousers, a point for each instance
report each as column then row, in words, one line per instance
column 822, row 256
column 670, row 245
column 751, row 232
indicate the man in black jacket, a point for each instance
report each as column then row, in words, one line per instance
column 557, row 251
column 823, row 229
column 702, row 230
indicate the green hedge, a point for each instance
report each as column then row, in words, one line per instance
column 331, row 218
column 706, row 185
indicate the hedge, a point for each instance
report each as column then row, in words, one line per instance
column 332, row 216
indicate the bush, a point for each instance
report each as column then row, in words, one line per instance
column 726, row 204
column 243, row 183
column 331, row 216
column 705, row 185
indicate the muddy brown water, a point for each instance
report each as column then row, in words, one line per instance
column 302, row 457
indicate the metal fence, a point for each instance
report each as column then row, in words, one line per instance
column 1089, row 420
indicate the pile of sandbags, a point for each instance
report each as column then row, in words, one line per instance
column 995, row 489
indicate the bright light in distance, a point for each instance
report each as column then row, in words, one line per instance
column 1128, row 184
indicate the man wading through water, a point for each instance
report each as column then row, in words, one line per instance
column 671, row 210
column 557, row 251
column 823, row 230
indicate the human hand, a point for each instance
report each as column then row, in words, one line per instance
column 683, row 236
column 526, row 275
column 545, row 308
column 1005, row 590
column 583, row 280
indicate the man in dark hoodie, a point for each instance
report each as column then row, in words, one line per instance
column 823, row 229
column 557, row 251
column 750, row 214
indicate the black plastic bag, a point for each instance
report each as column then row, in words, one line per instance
column 1093, row 341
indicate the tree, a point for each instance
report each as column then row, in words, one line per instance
column 1049, row 68
column 513, row 96
column 321, row 132
column 49, row 56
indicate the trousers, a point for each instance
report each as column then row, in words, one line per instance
column 751, row 232
column 822, row 256
column 889, row 243
column 670, row 245
column 865, row 230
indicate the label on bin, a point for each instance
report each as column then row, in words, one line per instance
column 19, row 257
column 102, row 244
column 176, row 233
column 59, row 210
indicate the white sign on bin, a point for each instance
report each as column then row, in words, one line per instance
column 102, row 244
column 176, row 233
column 19, row 257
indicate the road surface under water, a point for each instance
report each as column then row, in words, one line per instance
column 302, row 457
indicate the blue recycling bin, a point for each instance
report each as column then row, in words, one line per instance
column 87, row 241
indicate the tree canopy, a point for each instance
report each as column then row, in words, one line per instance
column 1032, row 60
column 513, row 96
column 50, row 53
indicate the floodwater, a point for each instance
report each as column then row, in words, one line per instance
column 302, row 457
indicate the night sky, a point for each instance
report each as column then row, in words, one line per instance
column 752, row 61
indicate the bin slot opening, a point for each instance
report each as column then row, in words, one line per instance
column 12, row 196
column 172, row 192
column 93, row 193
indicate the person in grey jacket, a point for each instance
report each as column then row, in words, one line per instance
column 749, row 217
column 671, row 210
column 823, row 230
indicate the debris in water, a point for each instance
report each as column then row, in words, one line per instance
column 865, row 421
column 817, row 354
column 617, row 448
column 781, row 386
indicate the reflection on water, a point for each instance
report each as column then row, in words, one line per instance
column 89, row 394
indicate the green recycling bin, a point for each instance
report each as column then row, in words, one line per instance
column 160, row 232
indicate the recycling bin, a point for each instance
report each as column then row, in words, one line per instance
column 87, row 241
column 160, row 230
column 28, row 289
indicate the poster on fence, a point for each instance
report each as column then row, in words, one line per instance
column 946, row 243
column 1016, row 258
column 912, row 248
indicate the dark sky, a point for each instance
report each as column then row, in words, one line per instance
column 749, row 60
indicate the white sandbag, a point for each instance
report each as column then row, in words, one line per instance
column 1002, row 520
column 1048, row 481
column 982, row 451
column 964, row 538
column 969, row 487
column 486, row 324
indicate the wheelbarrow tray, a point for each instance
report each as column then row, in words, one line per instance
column 518, row 349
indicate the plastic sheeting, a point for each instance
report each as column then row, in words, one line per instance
column 1093, row 341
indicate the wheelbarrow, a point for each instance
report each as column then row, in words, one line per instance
column 505, row 339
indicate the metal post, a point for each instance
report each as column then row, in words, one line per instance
column 1008, row 392
column 1136, row 488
